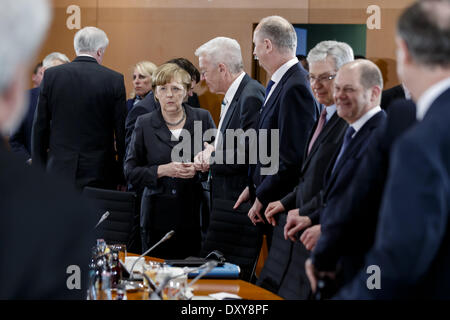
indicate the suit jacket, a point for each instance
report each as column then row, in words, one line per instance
column 146, row 105
column 44, row 228
column 307, row 197
column 390, row 95
column 412, row 244
column 80, row 121
column 167, row 203
column 348, row 232
column 228, row 180
column 20, row 140
column 292, row 110
column 294, row 283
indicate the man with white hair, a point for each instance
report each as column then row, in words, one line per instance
column 20, row 140
column 44, row 228
column 221, row 66
column 80, row 118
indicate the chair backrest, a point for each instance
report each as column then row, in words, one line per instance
column 122, row 206
column 231, row 232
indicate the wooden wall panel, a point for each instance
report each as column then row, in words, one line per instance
column 158, row 30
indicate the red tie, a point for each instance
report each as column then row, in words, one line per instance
column 322, row 119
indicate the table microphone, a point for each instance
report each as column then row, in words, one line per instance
column 165, row 238
column 103, row 218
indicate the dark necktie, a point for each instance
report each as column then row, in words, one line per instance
column 347, row 138
column 320, row 125
column 269, row 86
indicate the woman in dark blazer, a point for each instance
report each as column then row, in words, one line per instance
column 172, row 194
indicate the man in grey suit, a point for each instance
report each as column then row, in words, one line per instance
column 80, row 117
column 221, row 66
column 411, row 254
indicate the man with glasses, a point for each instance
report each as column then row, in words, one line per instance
column 323, row 143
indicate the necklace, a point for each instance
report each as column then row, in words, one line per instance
column 178, row 122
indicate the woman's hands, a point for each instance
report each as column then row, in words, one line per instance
column 177, row 170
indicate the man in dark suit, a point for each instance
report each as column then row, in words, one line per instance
column 411, row 254
column 79, row 130
column 325, row 59
column 45, row 229
column 395, row 93
column 357, row 92
column 347, row 232
column 289, row 110
column 20, row 140
column 221, row 66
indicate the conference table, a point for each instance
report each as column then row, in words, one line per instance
column 203, row 287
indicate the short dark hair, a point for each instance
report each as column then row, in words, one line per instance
column 426, row 30
column 187, row 66
column 36, row 68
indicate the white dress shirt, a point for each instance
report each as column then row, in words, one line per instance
column 277, row 75
column 426, row 100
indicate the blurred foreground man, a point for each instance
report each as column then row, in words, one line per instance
column 43, row 228
column 411, row 254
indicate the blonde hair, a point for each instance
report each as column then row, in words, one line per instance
column 168, row 71
column 143, row 67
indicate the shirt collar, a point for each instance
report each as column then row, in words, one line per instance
column 277, row 75
column 229, row 95
column 426, row 100
column 330, row 111
column 358, row 124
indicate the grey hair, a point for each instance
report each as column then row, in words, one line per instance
column 54, row 56
column 23, row 24
column 370, row 74
column 89, row 40
column 340, row 52
column 223, row 50
column 280, row 32
column 425, row 27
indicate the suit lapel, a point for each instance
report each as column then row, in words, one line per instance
column 329, row 126
column 361, row 136
column 273, row 98
column 234, row 102
column 161, row 130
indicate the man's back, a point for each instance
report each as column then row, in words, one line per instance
column 85, row 103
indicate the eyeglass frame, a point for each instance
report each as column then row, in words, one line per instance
column 322, row 78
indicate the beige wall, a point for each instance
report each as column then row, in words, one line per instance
column 158, row 30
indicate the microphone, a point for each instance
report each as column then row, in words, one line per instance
column 103, row 218
column 165, row 238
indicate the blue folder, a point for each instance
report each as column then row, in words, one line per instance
column 226, row 271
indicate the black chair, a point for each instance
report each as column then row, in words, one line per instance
column 123, row 221
column 231, row 232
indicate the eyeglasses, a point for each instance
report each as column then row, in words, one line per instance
column 322, row 78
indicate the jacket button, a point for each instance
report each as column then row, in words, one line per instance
column 174, row 191
column 324, row 205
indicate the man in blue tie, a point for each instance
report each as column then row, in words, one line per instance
column 357, row 93
column 289, row 109
column 410, row 258
column 283, row 271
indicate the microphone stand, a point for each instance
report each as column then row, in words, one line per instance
column 165, row 238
